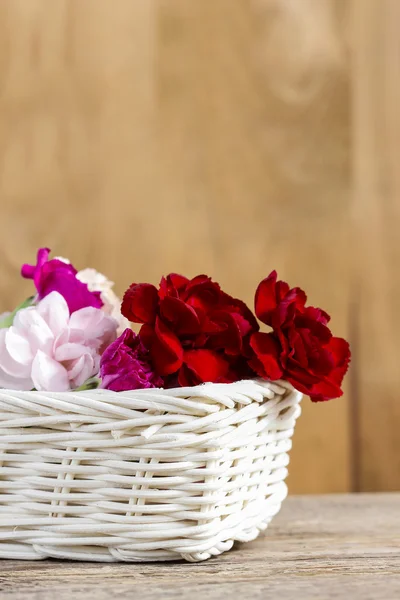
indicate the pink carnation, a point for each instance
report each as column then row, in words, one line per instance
column 125, row 365
column 50, row 349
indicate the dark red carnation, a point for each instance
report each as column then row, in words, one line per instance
column 275, row 302
column 300, row 348
column 193, row 330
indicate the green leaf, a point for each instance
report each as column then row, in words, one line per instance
column 8, row 320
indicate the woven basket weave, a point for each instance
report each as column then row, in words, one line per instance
column 144, row 475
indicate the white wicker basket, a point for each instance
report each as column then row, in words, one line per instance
column 144, row 475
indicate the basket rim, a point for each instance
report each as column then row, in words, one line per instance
column 207, row 397
column 277, row 387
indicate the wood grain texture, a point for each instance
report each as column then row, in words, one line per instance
column 156, row 136
column 239, row 133
column 376, row 127
column 228, row 137
column 317, row 547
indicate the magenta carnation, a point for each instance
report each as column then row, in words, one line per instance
column 58, row 276
column 125, row 365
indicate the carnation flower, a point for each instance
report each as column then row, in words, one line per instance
column 300, row 348
column 97, row 282
column 50, row 349
column 192, row 329
column 125, row 365
column 60, row 276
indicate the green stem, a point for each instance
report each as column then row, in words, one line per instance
column 90, row 384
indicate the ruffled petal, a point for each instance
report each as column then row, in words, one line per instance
column 229, row 337
column 166, row 350
column 81, row 370
column 266, row 361
column 202, row 293
column 64, row 281
column 340, row 350
column 69, row 351
column 203, row 366
column 321, row 391
column 31, row 325
column 183, row 317
column 140, row 303
column 172, row 285
column 99, row 329
column 48, row 374
column 265, row 301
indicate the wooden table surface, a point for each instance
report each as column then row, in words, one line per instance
column 343, row 546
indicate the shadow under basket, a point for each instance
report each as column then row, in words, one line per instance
column 144, row 475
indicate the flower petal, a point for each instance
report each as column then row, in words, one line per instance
column 82, row 369
column 48, row 374
column 228, row 337
column 14, row 383
column 34, row 328
column 99, row 329
column 54, row 310
column 183, row 317
column 202, row 293
column 18, row 346
column 275, row 302
column 266, row 361
column 265, row 301
column 340, row 350
column 320, row 391
column 172, row 285
column 65, row 282
column 290, row 305
column 69, row 351
column 203, row 366
column 60, row 276
column 140, row 303
column 28, row 271
column 125, row 365
column 241, row 313
column 314, row 320
column 167, row 351
column 11, row 369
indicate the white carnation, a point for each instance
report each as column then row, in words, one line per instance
column 97, row 282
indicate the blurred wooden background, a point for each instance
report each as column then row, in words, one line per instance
column 229, row 137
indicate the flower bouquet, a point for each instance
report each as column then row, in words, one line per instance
column 158, row 445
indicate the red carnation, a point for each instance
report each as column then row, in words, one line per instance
column 300, row 348
column 193, row 330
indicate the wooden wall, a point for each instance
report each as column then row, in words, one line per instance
column 228, row 137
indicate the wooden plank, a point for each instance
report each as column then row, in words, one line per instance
column 317, row 547
column 376, row 101
column 167, row 135
column 76, row 136
column 254, row 147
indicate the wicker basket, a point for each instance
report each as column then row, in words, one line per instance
column 146, row 475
